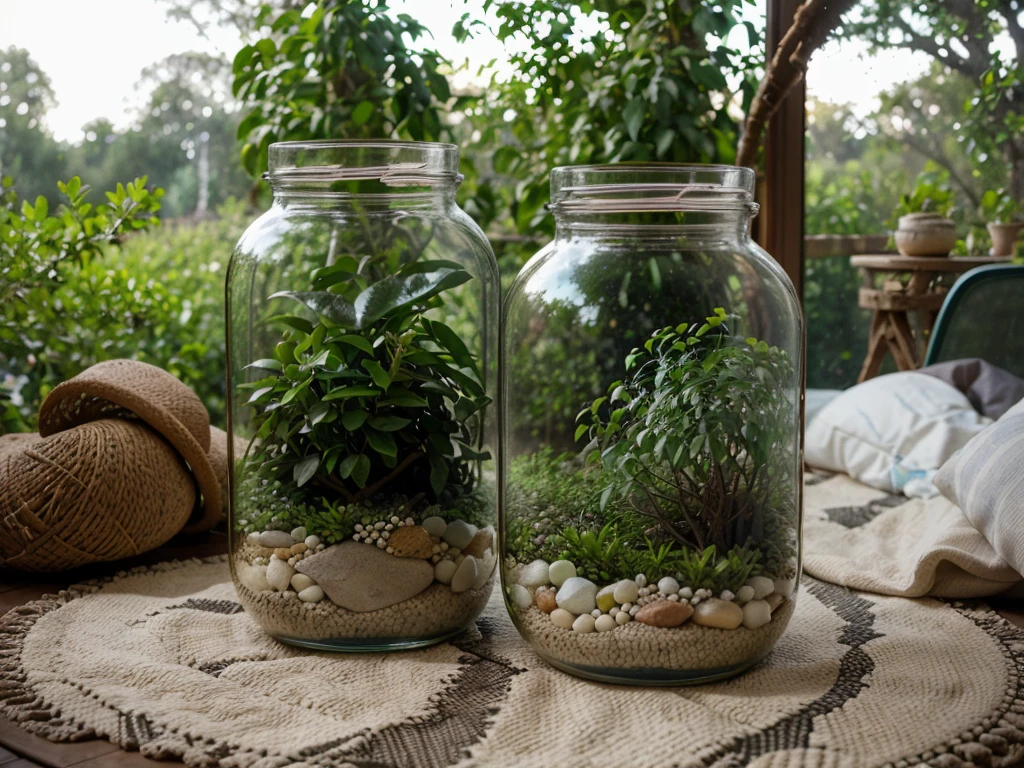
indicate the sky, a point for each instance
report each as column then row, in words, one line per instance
column 98, row 80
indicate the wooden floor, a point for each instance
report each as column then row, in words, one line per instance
column 20, row 749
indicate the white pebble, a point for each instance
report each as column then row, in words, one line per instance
column 785, row 587
column 395, row 519
column 254, row 539
column 622, row 617
column 668, row 585
column 756, row 614
column 382, row 543
column 275, row 539
column 562, row 618
column 627, row 605
column 520, row 596
column 727, row 595
column 744, row 594
column 465, row 575
column 605, row 623
column 359, row 527
column 410, row 521
column 641, row 580
column 596, row 612
column 615, row 610
column 626, row 591
column 459, row 533
column 673, row 598
column 389, row 527
column 311, row 542
column 319, row 547
column 577, row 595
column 559, row 571
column 312, row 594
column 763, row 586
column 299, row 534
column 279, row 574
column 444, row 571
column 634, row 610
column 686, row 592
column 434, row 525
column 534, row 575
column 694, row 600
column 583, row 624
column 379, row 525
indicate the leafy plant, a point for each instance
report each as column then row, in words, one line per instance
column 373, row 393
column 932, row 193
column 696, row 435
column 998, row 206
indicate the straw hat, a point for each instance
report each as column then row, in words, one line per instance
column 122, row 463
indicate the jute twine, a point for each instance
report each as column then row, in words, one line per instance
column 120, row 465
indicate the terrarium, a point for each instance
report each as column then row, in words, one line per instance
column 362, row 342
column 652, row 396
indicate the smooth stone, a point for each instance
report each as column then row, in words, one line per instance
column 605, row 623
column 279, row 575
column 444, row 571
column 484, row 565
column 562, row 618
column 744, row 594
column 535, row 574
column 606, row 598
column 622, row 617
column 520, row 596
column 275, row 539
column 253, row 577
column 411, row 541
column 664, row 613
column 717, row 613
column 361, row 578
column 785, row 587
column 561, row 570
column 298, row 549
column 626, row 591
column 577, row 595
column 312, row 542
column 301, row 581
column 465, row 575
column 584, row 624
column 253, row 538
column 763, row 586
column 435, row 526
column 312, row 594
column 283, row 553
column 756, row 614
column 668, row 586
column 480, row 543
column 546, row 601
column 299, row 534
column 459, row 533
column 774, row 600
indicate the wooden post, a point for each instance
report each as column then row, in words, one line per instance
column 781, row 229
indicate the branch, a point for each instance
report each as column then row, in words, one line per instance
column 938, row 157
column 812, row 24
column 372, row 489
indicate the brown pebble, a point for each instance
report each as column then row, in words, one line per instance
column 774, row 600
column 282, row 553
column 546, row 601
column 480, row 543
column 298, row 549
column 664, row 613
column 411, row 541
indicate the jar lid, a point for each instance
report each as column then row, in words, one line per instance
column 629, row 187
column 362, row 167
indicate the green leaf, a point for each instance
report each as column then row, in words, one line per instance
column 329, row 305
column 361, row 470
column 317, row 412
column 345, row 392
column 633, row 116
column 355, row 341
column 389, row 423
column 266, row 365
column 396, row 293
column 258, row 394
column 438, row 473
column 363, row 112
column 304, row 470
column 294, row 392
column 377, row 373
column 581, row 430
column 347, row 465
column 451, row 341
column 294, row 322
column 381, row 442
column 353, row 420
column 403, row 397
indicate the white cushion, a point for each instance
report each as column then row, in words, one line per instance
column 986, row 480
column 893, row 430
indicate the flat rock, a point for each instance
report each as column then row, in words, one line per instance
column 465, row 575
column 717, row 613
column 411, row 541
column 361, row 578
column 664, row 613
column 275, row 539
column 482, row 541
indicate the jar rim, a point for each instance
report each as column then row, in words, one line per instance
column 389, row 162
column 627, row 187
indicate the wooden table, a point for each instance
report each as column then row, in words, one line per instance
column 908, row 284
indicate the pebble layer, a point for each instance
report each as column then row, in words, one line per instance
column 638, row 646
column 435, row 612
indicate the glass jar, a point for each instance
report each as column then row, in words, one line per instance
column 362, row 342
column 652, row 380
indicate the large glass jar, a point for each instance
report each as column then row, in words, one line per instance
column 652, row 392
column 362, row 342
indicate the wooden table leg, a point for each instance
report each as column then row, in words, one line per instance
column 900, row 338
column 877, row 346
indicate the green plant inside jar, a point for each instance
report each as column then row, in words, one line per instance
column 681, row 505
column 368, row 434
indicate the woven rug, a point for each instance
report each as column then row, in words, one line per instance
column 164, row 660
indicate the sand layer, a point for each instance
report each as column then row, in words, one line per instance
column 636, row 646
column 433, row 613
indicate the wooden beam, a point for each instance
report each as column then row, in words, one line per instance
column 781, row 230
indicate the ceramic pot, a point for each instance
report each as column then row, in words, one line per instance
column 925, row 234
column 1004, row 237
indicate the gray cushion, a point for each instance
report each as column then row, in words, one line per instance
column 991, row 390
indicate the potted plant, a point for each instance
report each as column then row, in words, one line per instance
column 1002, row 213
column 923, row 226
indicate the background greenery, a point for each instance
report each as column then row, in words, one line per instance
column 592, row 81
